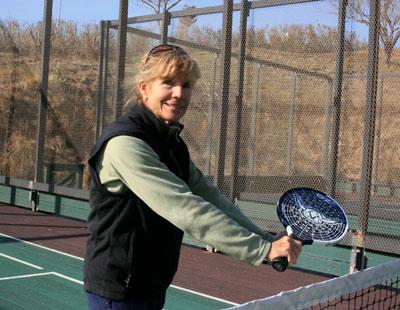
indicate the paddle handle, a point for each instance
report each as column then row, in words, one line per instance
column 280, row 264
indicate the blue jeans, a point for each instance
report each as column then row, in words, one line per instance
column 96, row 302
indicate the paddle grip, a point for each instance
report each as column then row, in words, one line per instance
column 280, row 264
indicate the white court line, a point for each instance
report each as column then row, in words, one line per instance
column 42, row 247
column 26, row 276
column 20, row 261
column 67, row 278
column 43, row 274
column 80, row 258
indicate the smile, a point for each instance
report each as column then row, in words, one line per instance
column 175, row 106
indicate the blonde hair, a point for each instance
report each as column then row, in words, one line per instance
column 166, row 65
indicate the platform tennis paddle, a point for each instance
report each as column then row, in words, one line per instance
column 312, row 217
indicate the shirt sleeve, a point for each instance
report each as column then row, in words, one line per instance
column 134, row 163
column 201, row 186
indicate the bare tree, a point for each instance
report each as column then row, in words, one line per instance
column 389, row 22
column 184, row 24
column 10, row 32
column 158, row 6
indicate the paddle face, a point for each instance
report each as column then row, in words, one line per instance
column 311, row 217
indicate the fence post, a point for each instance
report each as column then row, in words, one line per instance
column 370, row 116
column 375, row 169
column 101, row 80
column 44, row 78
column 253, row 123
column 337, row 99
column 119, row 88
column 164, row 27
column 225, row 80
column 105, row 71
column 292, row 112
column 327, row 129
column 210, row 117
column 244, row 13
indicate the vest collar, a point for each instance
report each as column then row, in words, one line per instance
column 169, row 130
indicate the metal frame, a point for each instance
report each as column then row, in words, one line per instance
column 225, row 52
column 370, row 117
column 292, row 113
column 210, row 115
column 334, row 88
column 102, row 77
column 253, row 123
column 119, row 87
column 166, row 21
column 225, row 65
column 210, row 10
column 337, row 99
column 75, row 173
column 44, row 79
column 244, row 13
column 43, row 187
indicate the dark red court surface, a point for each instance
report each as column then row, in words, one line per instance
column 208, row 273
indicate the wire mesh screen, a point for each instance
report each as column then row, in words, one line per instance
column 281, row 102
column 204, row 44
column 108, row 85
column 202, row 114
column 286, row 113
column 19, row 75
column 386, row 139
column 70, row 103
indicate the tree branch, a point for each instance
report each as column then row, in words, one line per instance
column 173, row 4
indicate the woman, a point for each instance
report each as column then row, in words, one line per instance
column 146, row 192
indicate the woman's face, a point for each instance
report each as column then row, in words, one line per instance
column 168, row 99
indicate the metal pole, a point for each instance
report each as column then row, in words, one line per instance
column 337, row 99
column 103, row 78
column 44, row 78
column 253, row 123
column 100, row 101
column 164, row 27
column 375, row 169
column 327, row 128
column 119, row 89
column 226, row 50
column 292, row 112
column 370, row 116
column 210, row 118
column 105, row 73
column 244, row 13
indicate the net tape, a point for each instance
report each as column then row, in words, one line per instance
column 323, row 292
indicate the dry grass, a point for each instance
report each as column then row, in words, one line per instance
column 72, row 106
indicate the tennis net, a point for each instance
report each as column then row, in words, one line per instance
column 373, row 288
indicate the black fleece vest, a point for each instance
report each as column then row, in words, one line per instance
column 132, row 252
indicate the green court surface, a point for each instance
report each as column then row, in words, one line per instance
column 34, row 277
column 330, row 260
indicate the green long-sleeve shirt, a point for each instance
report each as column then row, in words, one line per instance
column 197, row 207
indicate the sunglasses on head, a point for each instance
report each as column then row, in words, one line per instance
column 164, row 48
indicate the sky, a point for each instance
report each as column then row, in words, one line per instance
column 93, row 11
column 78, row 10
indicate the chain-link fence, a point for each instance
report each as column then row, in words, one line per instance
column 282, row 102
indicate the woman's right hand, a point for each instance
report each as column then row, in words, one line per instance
column 285, row 247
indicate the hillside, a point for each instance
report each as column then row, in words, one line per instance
column 72, row 99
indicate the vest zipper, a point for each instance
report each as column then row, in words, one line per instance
column 128, row 280
column 130, row 258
